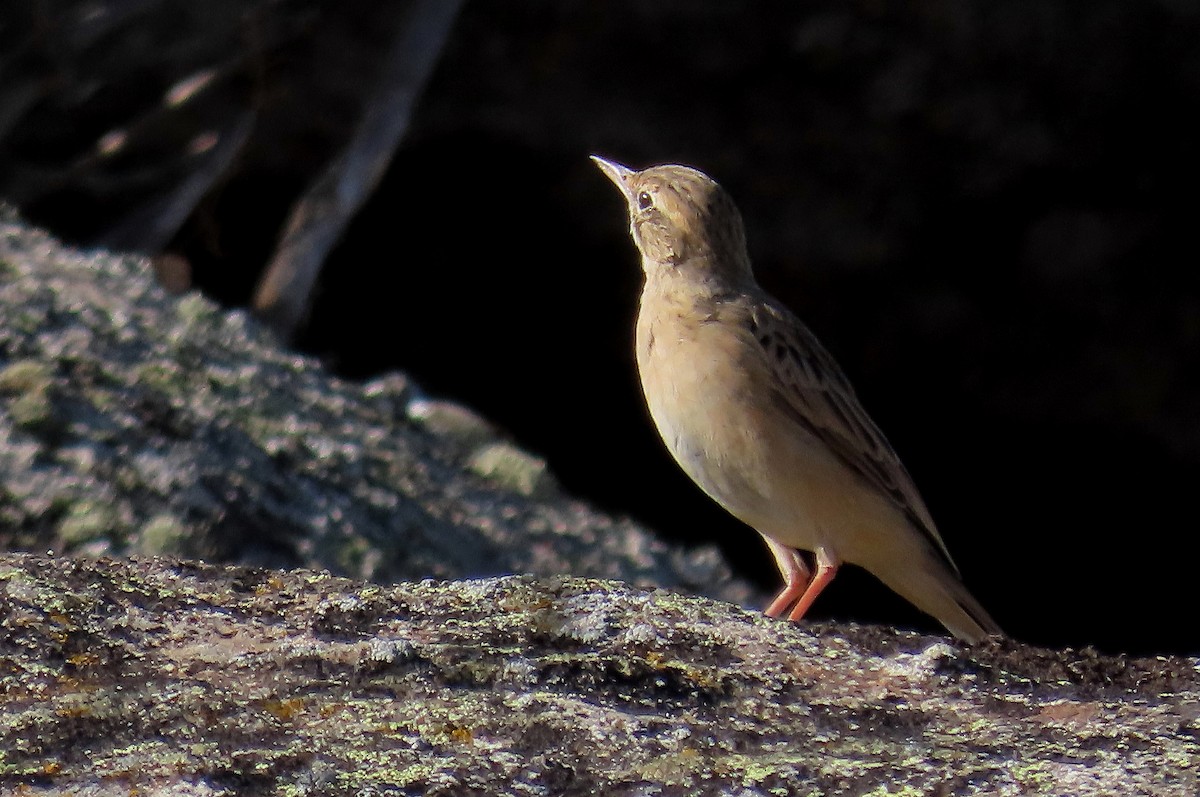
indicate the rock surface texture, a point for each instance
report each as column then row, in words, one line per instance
column 155, row 676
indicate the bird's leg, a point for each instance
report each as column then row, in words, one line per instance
column 795, row 575
column 827, row 567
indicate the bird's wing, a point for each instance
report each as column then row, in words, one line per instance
column 816, row 394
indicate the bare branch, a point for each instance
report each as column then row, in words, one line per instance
column 319, row 217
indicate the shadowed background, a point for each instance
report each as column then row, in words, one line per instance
column 984, row 211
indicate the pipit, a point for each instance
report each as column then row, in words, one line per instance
column 761, row 417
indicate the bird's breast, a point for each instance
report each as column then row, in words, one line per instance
column 707, row 396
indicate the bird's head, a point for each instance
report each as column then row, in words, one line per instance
column 680, row 216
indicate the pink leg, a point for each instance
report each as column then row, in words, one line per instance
column 827, row 567
column 795, row 575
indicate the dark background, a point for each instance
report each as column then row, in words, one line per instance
column 985, row 210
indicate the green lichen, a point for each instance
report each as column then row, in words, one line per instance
column 33, row 412
column 162, row 378
column 1032, row 776
column 512, row 468
column 25, row 376
column 85, row 521
column 452, row 421
column 163, row 534
column 194, row 310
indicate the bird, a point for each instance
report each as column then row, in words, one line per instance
column 761, row 417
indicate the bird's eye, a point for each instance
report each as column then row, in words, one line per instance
column 645, row 200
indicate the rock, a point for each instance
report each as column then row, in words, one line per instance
column 134, row 421
column 158, row 676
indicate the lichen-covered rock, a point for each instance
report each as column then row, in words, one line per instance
column 156, row 676
column 132, row 421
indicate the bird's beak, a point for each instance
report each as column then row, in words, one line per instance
column 620, row 175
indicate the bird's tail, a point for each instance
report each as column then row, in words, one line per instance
column 933, row 589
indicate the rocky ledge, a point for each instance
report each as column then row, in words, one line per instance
column 158, row 676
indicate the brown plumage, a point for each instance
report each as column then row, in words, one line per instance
column 760, row 416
